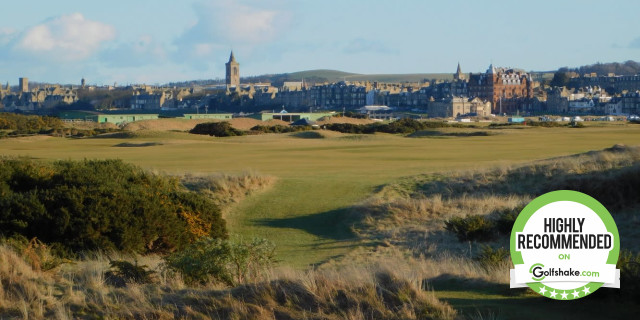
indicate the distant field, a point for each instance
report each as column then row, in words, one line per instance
column 303, row 213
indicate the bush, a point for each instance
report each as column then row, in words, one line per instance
column 123, row 272
column 101, row 204
column 490, row 257
column 546, row 124
column 278, row 129
column 629, row 265
column 349, row 128
column 40, row 256
column 22, row 124
column 228, row 261
column 471, row 228
column 402, row 126
column 505, row 220
column 576, row 124
column 217, row 129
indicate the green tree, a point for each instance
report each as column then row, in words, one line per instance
column 560, row 79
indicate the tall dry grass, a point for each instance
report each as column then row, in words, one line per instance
column 79, row 290
column 226, row 190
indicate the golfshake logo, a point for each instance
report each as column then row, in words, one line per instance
column 564, row 245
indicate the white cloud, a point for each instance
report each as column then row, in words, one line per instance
column 64, row 38
column 224, row 24
column 6, row 35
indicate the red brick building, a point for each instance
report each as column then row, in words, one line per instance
column 508, row 89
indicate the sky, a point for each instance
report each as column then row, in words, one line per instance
column 161, row 41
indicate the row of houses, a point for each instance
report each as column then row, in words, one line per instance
column 592, row 100
column 25, row 99
column 611, row 82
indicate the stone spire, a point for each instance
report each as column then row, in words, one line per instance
column 232, row 58
column 458, row 75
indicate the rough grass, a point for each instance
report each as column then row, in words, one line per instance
column 406, row 221
column 80, row 291
column 225, row 189
column 412, row 212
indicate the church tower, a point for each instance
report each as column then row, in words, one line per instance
column 458, row 75
column 233, row 71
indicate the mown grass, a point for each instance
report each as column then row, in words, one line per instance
column 319, row 179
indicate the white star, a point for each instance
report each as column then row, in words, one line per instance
column 542, row 290
column 575, row 293
column 553, row 293
column 586, row 291
column 564, row 295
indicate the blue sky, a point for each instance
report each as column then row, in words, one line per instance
column 145, row 41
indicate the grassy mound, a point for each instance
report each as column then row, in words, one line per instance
column 225, row 189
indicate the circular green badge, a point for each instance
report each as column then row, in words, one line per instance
column 564, row 246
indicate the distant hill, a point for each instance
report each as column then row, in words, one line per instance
column 325, row 75
column 627, row 68
column 402, row 77
column 321, row 74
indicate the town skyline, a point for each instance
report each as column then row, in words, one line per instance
column 164, row 41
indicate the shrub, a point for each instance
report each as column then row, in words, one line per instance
column 347, row 127
column 228, row 261
column 490, row 257
column 505, row 220
column 471, row 228
column 402, row 126
column 23, row 124
column 576, row 124
column 102, row 204
column 40, row 256
column 629, row 265
column 546, row 124
column 122, row 272
column 278, row 129
column 217, row 129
